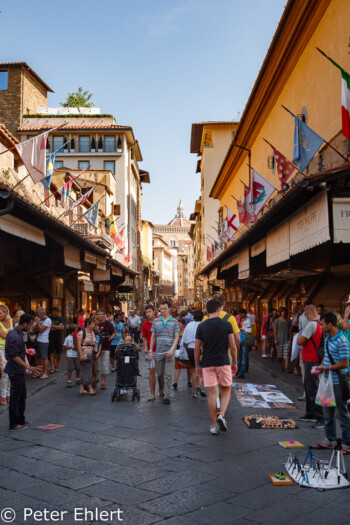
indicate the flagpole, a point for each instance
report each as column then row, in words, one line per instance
column 20, row 143
column 103, row 196
column 234, row 198
column 20, row 182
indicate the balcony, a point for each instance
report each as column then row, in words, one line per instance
column 87, row 147
column 101, row 239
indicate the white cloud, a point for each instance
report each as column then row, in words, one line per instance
column 162, row 25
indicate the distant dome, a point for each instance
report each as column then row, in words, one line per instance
column 180, row 218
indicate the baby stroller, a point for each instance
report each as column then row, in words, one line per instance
column 127, row 370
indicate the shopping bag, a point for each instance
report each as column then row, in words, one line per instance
column 325, row 393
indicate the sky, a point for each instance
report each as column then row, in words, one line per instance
column 156, row 65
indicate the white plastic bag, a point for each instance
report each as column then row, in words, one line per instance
column 325, row 393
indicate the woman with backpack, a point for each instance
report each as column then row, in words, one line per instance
column 86, row 343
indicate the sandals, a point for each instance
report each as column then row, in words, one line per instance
column 18, row 428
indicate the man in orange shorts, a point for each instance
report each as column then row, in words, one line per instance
column 214, row 336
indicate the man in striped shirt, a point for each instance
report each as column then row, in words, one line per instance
column 336, row 362
column 165, row 335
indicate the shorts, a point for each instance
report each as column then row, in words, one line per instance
column 55, row 347
column 190, row 353
column 283, row 350
column 112, row 351
column 105, row 365
column 42, row 351
column 150, row 363
column 94, row 366
column 73, row 363
column 212, row 375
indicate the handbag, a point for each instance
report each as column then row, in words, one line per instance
column 344, row 379
column 249, row 340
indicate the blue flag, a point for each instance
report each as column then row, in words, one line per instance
column 306, row 144
column 49, row 166
column 92, row 214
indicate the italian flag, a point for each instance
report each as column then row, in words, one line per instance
column 345, row 96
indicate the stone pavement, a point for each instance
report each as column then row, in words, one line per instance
column 157, row 463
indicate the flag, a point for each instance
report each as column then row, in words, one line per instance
column 91, row 215
column 33, row 155
column 240, row 207
column 223, row 234
column 208, row 254
column 127, row 258
column 345, row 97
column 118, row 238
column 306, row 144
column 49, row 166
column 260, row 191
column 245, row 210
column 65, row 190
column 284, row 167
column 82, row 199
column 232, row 224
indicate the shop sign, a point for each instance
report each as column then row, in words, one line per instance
column 341, row 219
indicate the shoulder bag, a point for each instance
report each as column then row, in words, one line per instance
column 344, row 379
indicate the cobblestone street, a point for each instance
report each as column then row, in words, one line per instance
column 157, row 463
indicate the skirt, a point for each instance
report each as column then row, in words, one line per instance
column 86, row 372
column 105, row 364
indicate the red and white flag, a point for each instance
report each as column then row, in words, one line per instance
column 284, row 167
column 65, row 189
column 127, row 258
column 260, row 192
column 232, row 224
column 33, row 155
column 118, row 238
column 209, row 253
column 82, row 199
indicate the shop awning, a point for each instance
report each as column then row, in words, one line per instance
column 101, row 275
column 258, row 248
column 117, row 271
column 309, row 226
column 229, row 264
column 90, row 258
column 22, row 229
column 101, row 262
column 72, row 257
column 341, row 219
column 88, row 286
column 277, row 244
column 243, row 264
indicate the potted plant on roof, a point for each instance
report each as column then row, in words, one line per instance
column 65, row 149
column 72, row 145
column 100, row 145
column 93, row 145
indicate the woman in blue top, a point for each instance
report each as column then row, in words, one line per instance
column 119, row 336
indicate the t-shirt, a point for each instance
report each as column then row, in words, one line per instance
column 308, row 352
column 189, row 335
column 56, row 335
column 214, row 334
column 147, row 332
column 338, row 347
column 303, row 322
column 165, row 333
column 69, row 341
column 134, row 321
column 282, row 328
column 119, row 328
column 231, row 320
column 106, row 330
column 43, row 337
column 246, row 325
column 14, row 347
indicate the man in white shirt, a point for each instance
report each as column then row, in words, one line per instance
column 189, row 340
column 44, row 327
column 134, row 325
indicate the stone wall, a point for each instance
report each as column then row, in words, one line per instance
column 10, row 100
column 34, row 94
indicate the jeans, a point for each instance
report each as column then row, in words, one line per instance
column 311, row 386
column 339, row 412
column 18, row 398
column 134, row 332
column 165, row 370
column 243, row 359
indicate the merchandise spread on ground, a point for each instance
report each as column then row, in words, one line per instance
column 261, row 396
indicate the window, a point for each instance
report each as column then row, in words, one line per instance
column 83, row 164
column 109, row 165
column 84, row 144
column 58, row 164
column 172, row 242
column 109, row 144
column 3, row 80
column 208, row 139
column 57, row 142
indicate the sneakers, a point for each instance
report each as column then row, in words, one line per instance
column 302, row 398
column 175, row 386
column 319, row 424
column 77, row 381
column 195, row 395
column 189, row 384
column 265, row 356
column 307, row 419
column 69, row 384
column 166, row 401
column 201, row 391
column 222, row 423
column 214, row 430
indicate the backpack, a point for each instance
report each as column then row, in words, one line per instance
column 80, row 328
column 320, row 349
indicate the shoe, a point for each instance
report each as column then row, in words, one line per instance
column 201, row 391
column 152, row 398
column 77, row 381
column 302, row 398
column 195, row 395
column 113, row 370
column 69, row 384
column 166, row 401
column 189, row 384
column 307, row 419
column 214, row 430
column 222, row 423
column 239, row 376
column 161, row 394
column 319, row 424
column 265, row 356
column 175, row 386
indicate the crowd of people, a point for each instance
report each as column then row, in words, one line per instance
column 212, row 347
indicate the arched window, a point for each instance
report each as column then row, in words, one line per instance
column 173, row 242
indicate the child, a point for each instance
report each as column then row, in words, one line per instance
column 73, row 362
column 129, row 340
column 96, row 355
